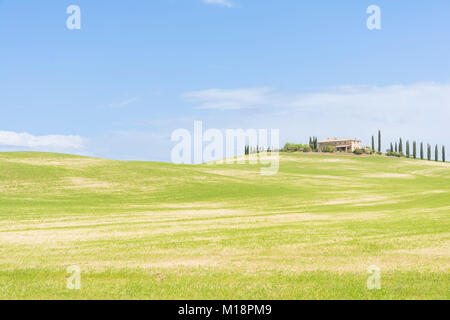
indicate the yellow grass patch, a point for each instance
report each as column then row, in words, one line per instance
column 389, row 175
column 87, row 183
column 59, row 162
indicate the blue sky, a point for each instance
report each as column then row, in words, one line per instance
column 137, row 70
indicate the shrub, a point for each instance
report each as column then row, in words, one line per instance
column 394, row 154
column 329, row 149
column 359, row 151
column 292, row 147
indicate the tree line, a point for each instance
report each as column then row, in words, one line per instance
column 411, row 150
column 255, row 150
column 408, row 149
column 312, row 146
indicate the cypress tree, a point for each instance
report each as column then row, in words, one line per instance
column 443, row 153
column 379, row 140
column 396, row 147
column 414, row 150
column 428, row 152
column 407, row 148
column 400, row 145
column 421, row 151
column 392, row 148
column 436, row 154
column 310, row 143
column 373, row 143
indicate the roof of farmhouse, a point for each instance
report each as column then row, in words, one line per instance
column 337, row 140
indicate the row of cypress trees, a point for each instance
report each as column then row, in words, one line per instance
column 252, row 150
column 398, row 148
column 379, row 142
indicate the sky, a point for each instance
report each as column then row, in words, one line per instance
column 138, row 70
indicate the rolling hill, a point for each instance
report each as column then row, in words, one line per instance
column 145, row 230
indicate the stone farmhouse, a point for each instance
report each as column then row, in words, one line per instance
column 347, row 145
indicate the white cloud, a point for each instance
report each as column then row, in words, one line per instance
column 386, row 103
column 220, row 99
column 14, row 139
column 419, row 97
column 225, row 3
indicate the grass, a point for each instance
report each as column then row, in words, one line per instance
column 145, row 230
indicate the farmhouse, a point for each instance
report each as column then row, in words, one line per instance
column 347, row 145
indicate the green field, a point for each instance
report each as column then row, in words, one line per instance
column 145, row 230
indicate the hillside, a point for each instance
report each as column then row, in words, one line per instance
column 157, row 230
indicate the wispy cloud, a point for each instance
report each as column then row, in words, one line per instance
column 387, row 103
column 396, row 102
column 14, row 139
column 123, row 103
column 224, row 3
column 220, row 99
